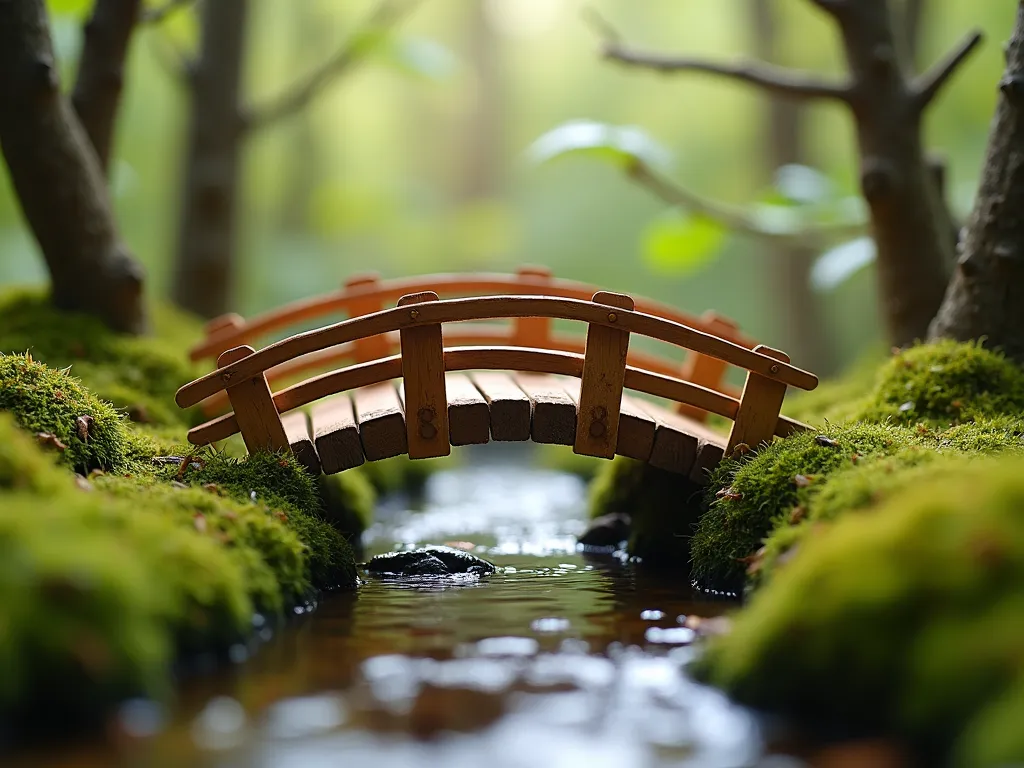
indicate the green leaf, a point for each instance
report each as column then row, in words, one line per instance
column 422, row 57
column 682, row 245
column 803, row 185
column 69, row 7
column 618, row 145
column 836, row 266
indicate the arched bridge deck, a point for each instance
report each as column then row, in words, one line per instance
column 432, row 395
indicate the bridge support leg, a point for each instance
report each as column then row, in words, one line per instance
column 760, row 406
column 426, row 400
column 257, row 416
column 604, row 370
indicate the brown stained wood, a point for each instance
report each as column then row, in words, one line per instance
column 371, row 347
column 469, row 417
column 425, row 397
column 254, row 410
column 381, row 421
column 554, row 412
column 510, row 408
column 494, row 307
column 704, row 370
column 760, row 406
column 604, row 371
column 533, row 331
column 682, row 445
column 446, row 285
column 470, row 359
column 300, row 440
column 336, row 435
column 636, row 426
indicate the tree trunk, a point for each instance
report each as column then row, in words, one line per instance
column 58, row 180
column 985, row 298
column 908, row 221
column 101, row 71
column 483, row 134
column 789, row 265
column 205, row 255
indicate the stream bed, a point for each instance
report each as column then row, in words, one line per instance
column 558, row 659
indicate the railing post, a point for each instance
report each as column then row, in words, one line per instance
column 704, row 370
column 604, row 370
column 426, row 400
column 257, row 416
column 220, row 326
column 760, row 406
column 532, row 332
column 371, row 347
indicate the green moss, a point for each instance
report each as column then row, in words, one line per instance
column 52, row 402
column 838, row 399
column 139, row 375
column 994, row 738
column 905, row 620
column 23, row 466
column 663, row 508
column 747, row 496
column 945, row 383
column 348, row 500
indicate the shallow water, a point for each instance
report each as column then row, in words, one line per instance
column 556, row 660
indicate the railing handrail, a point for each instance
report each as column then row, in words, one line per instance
column 481, row 358
column 453, row 283
column 489, row 308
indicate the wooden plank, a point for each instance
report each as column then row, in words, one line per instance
column 707, row 371
column 296, row 429
column 554, row 412
column 682, row 445
column 604, row 370
column 336, row 435
column 760, row 406
column 253, row 405
column 381, row 421
column 425, row 397
column 510, row 408
column 469, row 417
column 636, row 426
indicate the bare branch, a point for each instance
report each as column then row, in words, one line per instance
column 158, row 14
column 777, row 80
column 735, row 219
column 927, row 86
column 352, row 53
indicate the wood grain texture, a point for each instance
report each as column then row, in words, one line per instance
column 255, row 414
column 682, row 445
column 495, row 307
column 336, row 435
column 604, row 372
column 381, row 422
column 386, row 292
column 760, row 406
column 469, row 417
column 425, row 397
column 554, row 412
column 510, row 408
column 300, row 440
column 636, row 426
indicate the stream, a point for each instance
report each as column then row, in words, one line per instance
column 559, row 659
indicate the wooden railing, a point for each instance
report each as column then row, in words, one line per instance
column 423, row 360
column 365, row 294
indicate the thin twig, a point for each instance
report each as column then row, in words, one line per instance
column 736, row 220
column 778, row 80
column 386, row 15
column 158, row 14
column 928, row 85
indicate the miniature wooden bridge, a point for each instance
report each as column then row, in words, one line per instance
column 466, row 379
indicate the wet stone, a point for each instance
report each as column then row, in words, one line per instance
column 428, row 561
column 607, row 531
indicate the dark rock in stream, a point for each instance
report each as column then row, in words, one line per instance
column 607, row 531
column 428, row 561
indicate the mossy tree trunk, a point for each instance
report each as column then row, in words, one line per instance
column 58, row 179
column 985, row 298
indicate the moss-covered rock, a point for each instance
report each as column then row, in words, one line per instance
column 663, row 508
column 904, row 620
column 402, row 474
column 23, row 466
column 347, row 499
column 138, row 375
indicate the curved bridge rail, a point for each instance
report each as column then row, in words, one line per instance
column 603, row 417
column 365, row 294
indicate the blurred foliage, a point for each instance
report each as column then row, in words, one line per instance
column 374, row 174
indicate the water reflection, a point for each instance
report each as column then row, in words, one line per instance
column 555, row 660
